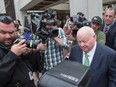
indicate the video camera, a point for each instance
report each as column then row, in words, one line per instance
column 79, row 20
column 36, row 25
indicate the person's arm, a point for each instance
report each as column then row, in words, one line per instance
column 7, row 66
column 59, row 41
column 114, row 42
column 112, row 71
column 62, row 39
column 7, row 62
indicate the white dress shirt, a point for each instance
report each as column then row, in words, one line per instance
column 90, row 54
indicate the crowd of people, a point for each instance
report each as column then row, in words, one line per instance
column 93, row 46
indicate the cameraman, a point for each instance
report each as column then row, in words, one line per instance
column 54, row 51
column 17, row 62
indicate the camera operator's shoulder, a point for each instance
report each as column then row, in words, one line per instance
column 1, row 52
column 60, row 29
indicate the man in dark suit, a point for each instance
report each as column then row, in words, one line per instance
column 101, row 59
column 109, row 27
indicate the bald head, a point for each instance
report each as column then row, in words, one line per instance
column 86, row 38
column 85, row 31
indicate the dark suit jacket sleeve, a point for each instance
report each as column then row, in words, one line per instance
column 73, row 54
column 112, row 72
column 76, row 54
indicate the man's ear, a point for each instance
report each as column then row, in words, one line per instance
column 94, row 36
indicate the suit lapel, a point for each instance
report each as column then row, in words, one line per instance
column 96, row 62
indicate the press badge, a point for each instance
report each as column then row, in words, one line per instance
column 30, row 75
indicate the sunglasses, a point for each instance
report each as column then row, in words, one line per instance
column 6, row 19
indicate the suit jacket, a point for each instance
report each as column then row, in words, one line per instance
column 103, row 66
column 110, row 36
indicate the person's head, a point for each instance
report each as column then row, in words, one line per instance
column 86, row 38
column 67, row 17
column 95, row 23
column 7, row 30
column 109, row 15
column 51, row 23
column 49, row 26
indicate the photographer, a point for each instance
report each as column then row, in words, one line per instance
column 54, row 51
column 17, row 62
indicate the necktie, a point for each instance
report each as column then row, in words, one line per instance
column 86, row 60
column 106, row 29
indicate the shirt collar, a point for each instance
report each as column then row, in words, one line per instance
column 109, row 25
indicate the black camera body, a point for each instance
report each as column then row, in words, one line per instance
column 46, row 33
column 29, row 43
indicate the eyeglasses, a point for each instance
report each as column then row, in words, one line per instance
column 6, row 19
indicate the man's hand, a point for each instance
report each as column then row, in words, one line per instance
column 41, row 46
column 19, row 48
column 28, row 50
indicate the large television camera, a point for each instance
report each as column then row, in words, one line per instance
column 79, row 20
column 35, row 24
